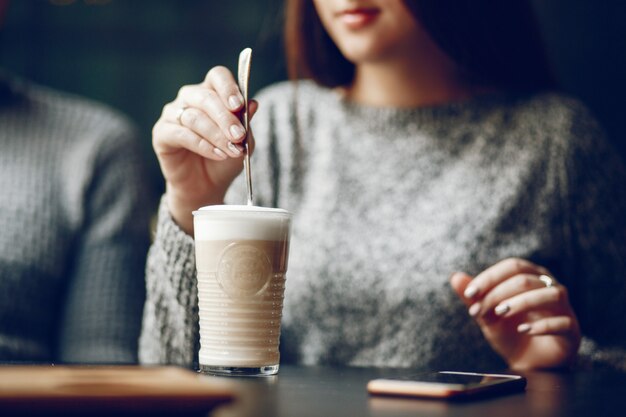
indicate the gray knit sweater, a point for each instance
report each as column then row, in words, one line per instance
column 73, row 229
column 387, row 203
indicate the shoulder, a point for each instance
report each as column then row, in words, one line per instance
column 573, row 139
column 552, row 123
column 555, row 112
column 551, row 101
column 71, row 117
column 282, row 97
column 302, row 89
column 288, row 108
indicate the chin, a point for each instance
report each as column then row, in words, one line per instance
column 362, row 52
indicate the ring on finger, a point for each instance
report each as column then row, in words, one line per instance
column 547, row 280
column 179, row 114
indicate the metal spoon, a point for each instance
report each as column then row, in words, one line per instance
column 243, row 75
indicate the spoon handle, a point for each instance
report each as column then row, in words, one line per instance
column 243, row 75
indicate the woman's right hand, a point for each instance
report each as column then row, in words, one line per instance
column 198, row 142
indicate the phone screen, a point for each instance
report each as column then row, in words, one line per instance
column 446, row 384
column 456, row 378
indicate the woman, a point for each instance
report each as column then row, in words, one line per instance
column 424, row 145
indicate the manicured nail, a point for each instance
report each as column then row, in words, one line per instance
column 523, row 328
column 234, row 102
column 220, row 153
column 237, row 131
column 234, row 148
column 502, row 309
column 470, row 292
column 474, row 309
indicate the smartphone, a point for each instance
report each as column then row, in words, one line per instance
column 447, row 385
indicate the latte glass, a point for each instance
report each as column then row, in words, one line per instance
column 241, row 259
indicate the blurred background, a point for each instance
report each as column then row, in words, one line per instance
column 135, row 54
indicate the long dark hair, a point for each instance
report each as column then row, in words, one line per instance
column 495, row 43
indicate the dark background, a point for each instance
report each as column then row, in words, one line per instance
column 135, row 54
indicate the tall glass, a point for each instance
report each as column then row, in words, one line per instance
column 241, row 258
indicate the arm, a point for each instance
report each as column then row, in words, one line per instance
column 170, row 333
column 170, row 326
column 533, row 324
column 596, row 223
column 104, row 298
column 200, row 158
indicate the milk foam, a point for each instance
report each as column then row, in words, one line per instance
column 228, row 222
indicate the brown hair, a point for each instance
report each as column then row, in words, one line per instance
column 494, row 43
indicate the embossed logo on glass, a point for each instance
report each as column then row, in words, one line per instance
column 243, row 271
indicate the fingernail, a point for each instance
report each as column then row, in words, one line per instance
column 220, row 153
column 237, row 131
column 233, row 148
column 502, row 309
column 234, row 102
column 523, row 328
column 470, row 291
column 474, row 309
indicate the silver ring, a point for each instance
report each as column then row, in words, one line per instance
column 179, row 115
column 549, row 281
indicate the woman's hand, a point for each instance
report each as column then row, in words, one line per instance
column 523, row 313
column 198, row 141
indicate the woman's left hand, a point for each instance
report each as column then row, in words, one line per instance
column 523, row 313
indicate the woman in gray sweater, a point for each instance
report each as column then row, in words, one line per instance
column 448, row 211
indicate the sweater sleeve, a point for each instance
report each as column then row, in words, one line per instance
column 170, row 321
column 596, row 231
column 101, row 320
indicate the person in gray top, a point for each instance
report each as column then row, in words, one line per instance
column 73, row 229
column 449, row 210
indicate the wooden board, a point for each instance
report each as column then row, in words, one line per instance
column 108, row 390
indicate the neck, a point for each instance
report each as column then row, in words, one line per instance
column 428, row 79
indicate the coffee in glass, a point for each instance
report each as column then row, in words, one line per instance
column 241, row 259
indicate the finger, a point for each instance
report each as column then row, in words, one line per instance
column 495, row 274
column 554, row 298
column 253, row 106
column 558, row 325
column 223, row 82
column 180, row 137
column 507, row 289
column 199, row 122
column 207, row 100
column 228, row 122
column 459, row 281
column 251, row 143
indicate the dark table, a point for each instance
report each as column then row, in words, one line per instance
column 322, row 391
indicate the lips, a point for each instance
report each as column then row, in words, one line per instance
column 359, row 17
